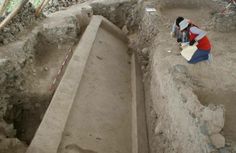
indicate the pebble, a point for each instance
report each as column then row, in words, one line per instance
column 218, row 140
column 21, row 88
column 228, row 144
column 125, row 30
column 45, row 68
column 145, row 51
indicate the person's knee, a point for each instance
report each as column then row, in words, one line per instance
column 198, row 57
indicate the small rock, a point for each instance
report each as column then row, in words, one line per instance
column 5, row 41
column 218, row 140
column 214, row 119
column 125, row 29
column 22, row 88
column 6, row 29
column 227, row 144
column 143, row 68
column 158, row 129
column 45, row 68
column 145, row 51
column 87, row 10
column 145, row 63
column 31, row 61
column 3, row 61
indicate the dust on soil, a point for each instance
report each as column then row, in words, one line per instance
column 217, row 80
column 107, row 78
column 228, row 99
column 43, row 61
column 220, row 72
column 48, row 61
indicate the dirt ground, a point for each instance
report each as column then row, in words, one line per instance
column 34, row 62
column 210, row 83
column 187, row 105
column 216, row 84
column 100, row 119
column 30, row 104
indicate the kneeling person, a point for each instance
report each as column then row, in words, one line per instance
column 196, row 35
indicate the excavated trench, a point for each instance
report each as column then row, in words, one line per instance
column 170, row 118
column 104, row 98
column 35, row 81
column 227, row 99
column 26, row 114
column 39, row 57
column 204, row 87
column 26, row 109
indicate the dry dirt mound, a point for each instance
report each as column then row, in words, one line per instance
column 22, row 21
column 30, row 68
column 180, row 115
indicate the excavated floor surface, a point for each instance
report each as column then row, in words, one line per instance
column 107, row 78
column 100, row 119
column 215, row 81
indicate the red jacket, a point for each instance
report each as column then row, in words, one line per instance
column 200, row 36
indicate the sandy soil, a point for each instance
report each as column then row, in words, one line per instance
column 214, row 83
column 100, row 119
column 226, row 98
column 36, row 61
column 48, row 61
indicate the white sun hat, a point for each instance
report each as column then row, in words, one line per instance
column 183, row 24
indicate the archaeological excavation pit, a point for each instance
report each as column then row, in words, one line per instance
column 32, row 68
column 105, row 76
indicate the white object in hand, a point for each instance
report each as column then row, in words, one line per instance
column 185, row 44
column 188, row 52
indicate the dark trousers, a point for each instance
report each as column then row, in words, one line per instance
column 199, row 55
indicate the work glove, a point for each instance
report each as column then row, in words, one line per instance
column 192, row 42
column 179, row 40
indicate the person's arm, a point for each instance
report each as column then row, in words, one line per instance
column 173, row 30
column 200, row 33
column 185, row 37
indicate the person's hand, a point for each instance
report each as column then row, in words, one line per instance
column 179, row 40
column 192, row 42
